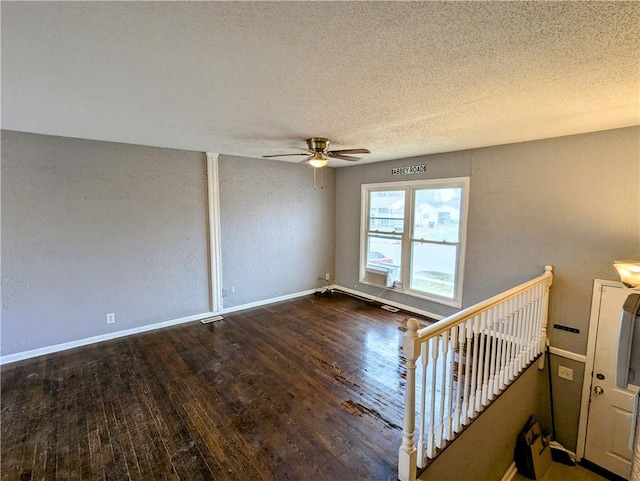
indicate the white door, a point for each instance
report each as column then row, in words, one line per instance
column 609, row 423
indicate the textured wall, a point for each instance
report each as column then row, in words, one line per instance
column 573, row 202
column 278, row 233
column 90, row 228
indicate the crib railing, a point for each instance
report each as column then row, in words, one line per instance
column 463, row 362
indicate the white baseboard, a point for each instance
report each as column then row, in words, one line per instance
column 103, row 337
column 511, row 473
column 137, row 330
column 404, row 307
column 265, row 302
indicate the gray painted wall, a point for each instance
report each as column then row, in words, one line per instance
column 278, row 233
column 90, row 228
column 573, row 202
column 484, row 451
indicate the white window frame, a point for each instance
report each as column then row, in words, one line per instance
column 410, row 187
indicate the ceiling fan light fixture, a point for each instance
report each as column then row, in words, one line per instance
column 317, row 161
column 319, row 154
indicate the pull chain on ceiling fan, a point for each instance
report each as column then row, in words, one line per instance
column 319, row 154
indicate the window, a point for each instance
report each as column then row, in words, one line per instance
column 414, row 233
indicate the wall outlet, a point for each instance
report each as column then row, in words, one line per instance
column 327, row 276
column 565, row 373
column 225, row 292
column 111, row 318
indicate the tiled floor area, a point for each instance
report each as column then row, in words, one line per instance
column 562, row 472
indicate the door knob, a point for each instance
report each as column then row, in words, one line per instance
column 598, row 390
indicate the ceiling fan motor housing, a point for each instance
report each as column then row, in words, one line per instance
column 318, row 144
column 318, row 147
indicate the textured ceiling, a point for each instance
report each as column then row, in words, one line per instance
column 257, row 78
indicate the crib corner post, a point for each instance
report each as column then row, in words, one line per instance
column 407, row 458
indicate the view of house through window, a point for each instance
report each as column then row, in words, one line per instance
column 413, row 233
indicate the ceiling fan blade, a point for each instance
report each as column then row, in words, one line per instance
column 333, row 155
column 350, row 151
column 280, row 155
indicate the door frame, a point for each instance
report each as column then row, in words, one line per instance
column 594, row 318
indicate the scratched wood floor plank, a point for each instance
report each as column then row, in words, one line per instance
column 13, row 419
column 319, row 411
column 153, row 459
column 186, row 390
column 310, row 388
column 263, row 407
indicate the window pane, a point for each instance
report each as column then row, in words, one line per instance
column 386, row 211
column 385, row 251
column 436, row 214
column 433, row 269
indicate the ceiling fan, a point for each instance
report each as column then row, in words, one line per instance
column 318, row 148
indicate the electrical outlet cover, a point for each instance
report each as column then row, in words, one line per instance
column 565, row 373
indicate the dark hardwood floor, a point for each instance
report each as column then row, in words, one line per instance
column 308, row 389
